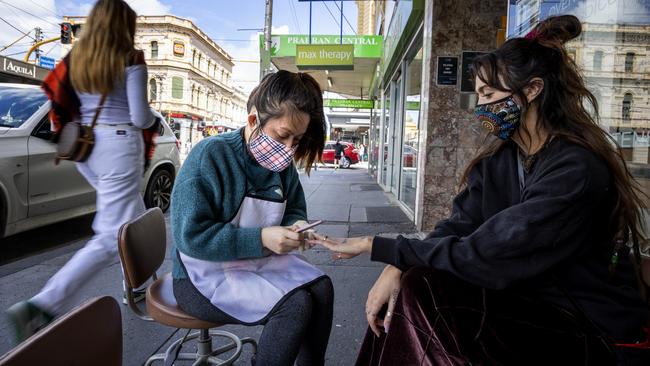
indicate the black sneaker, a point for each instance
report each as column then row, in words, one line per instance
column 138, row 295
column 27, row 319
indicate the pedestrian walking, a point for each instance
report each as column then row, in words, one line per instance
column 533, row 265
column 103, row 79
column 339, row 150
column 362, row 151
column 236, row 206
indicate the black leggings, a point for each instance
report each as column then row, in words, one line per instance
column 284, row 338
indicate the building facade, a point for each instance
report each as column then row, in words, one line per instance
column 190, row 76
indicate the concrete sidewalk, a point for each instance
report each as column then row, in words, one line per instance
column 350, row 203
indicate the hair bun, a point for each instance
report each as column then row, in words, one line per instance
column 560, row 29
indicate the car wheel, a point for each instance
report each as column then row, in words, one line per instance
column 159, row 190
column 345, row 162
column 2, row 218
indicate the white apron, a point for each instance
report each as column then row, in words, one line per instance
column 249, row 289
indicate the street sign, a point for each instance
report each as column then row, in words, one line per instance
column 349, row 103
column 447, row 70
column 46, row 62
column 284, row 45
column 466, row 82
column 325, row 57
column 179, row 48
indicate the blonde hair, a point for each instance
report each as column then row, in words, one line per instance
column 105, row 48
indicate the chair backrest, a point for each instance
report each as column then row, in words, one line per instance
column 142, row 243
column 90, row 334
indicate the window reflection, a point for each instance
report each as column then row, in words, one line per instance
column 408, row 181
column 598, row 60
column 613, row 54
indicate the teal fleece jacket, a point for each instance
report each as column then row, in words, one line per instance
column 209, row 189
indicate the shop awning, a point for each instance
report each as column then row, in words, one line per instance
column 328, row 66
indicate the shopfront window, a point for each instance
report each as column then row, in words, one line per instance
column 627, row 107
column 615, row 39
column 598, row 60
column 177, row 87
column 629, row 62
column 373, row 143
column 383, row 150
column 154, row 50
column 410, row 139
column 153, row 90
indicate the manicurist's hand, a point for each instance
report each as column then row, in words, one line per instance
column 281, row 240
column 384, row 291
column 306, row 235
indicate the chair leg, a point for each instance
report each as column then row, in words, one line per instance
column 252, row 342
column 174, row 347
column 156, row 357
column 204, row 352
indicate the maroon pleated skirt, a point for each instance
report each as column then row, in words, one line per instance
column 441, row 320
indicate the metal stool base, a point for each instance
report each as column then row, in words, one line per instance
column 205, row 355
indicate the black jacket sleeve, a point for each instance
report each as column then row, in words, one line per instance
column 547, row 227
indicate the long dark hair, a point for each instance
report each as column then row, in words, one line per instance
column 561, row 109
column 286, row 93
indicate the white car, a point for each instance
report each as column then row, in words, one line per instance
column 33, row 191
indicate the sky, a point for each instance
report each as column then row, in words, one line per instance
column 219, row 19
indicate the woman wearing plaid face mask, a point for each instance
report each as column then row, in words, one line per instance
column 236, row 206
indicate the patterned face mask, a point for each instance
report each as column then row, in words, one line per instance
column 273, row 155
column 500, row 118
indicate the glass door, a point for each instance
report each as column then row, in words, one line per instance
column 411, row 135
column 396, row 137
column 382, row 153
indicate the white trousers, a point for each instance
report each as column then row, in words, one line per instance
column 114, row 169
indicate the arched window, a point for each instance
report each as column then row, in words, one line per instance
column 626, row 112
column 629, row 62
column 153, row 90
column 193, row 57
column 154, row 49
column 598, row 60
column 199, row 63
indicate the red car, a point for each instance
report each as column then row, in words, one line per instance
column 350, row 152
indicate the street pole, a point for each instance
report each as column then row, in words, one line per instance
column 266, row 56
column 39, row 38
column 341, row 40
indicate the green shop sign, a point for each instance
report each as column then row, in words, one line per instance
column 285, row 45
column 349, row 103
column 330, row 57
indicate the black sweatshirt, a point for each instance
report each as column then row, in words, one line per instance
column 553, row 234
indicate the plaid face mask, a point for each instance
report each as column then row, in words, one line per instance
column 271, row 154
column 500, row 118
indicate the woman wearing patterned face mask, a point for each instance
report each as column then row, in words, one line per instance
column 235, row 208
column 531, row 268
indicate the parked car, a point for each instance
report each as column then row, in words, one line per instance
column 351, row 155
column 409, row 155
column 33, row 191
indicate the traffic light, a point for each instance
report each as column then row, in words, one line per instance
column 66, row 33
